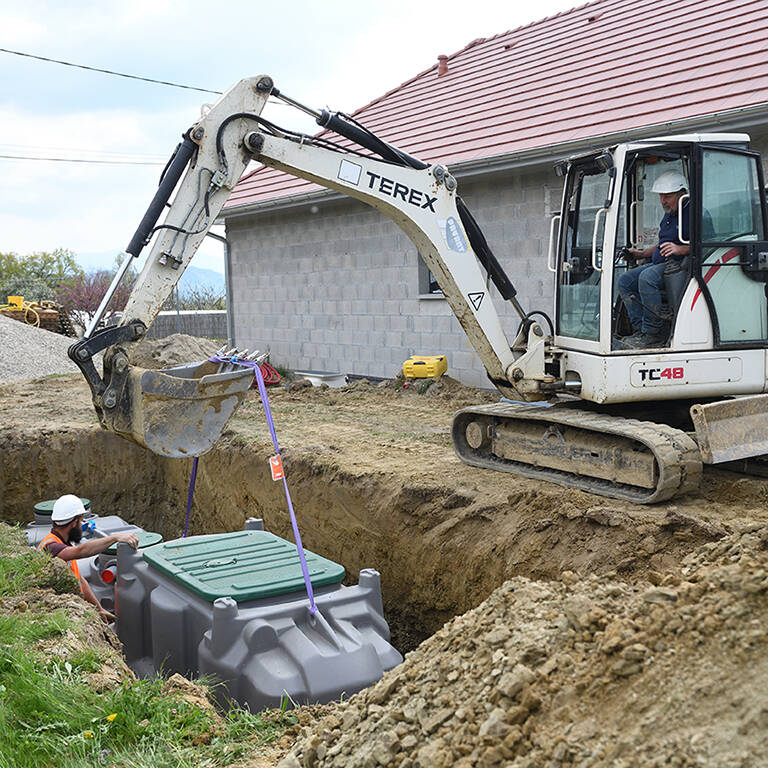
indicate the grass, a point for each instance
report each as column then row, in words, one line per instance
column 51, row 715
column 23, row 568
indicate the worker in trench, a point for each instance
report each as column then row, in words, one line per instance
column 64, row 541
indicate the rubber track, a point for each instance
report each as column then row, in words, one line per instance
column 677, row 455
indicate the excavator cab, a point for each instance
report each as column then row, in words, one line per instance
column 711, row 299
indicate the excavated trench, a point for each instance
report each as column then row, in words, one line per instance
column 441, row 545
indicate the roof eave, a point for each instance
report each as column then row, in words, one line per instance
column 740, row 118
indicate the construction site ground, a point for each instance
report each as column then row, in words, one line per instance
column 542, row 626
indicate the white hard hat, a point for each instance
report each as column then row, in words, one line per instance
column 668, row 182
column 67, row 508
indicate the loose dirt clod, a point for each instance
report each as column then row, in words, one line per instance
column 175, row 349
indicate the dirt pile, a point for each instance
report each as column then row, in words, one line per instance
column 588, row 672
column 175, row 349
column 445, row 389
column 27, row 352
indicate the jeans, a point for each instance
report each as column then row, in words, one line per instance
column 647, row 281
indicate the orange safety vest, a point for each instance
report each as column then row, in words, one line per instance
column 71, row 563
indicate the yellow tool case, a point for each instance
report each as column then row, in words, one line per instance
column 425, row 366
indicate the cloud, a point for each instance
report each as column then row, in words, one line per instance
column 342, row 54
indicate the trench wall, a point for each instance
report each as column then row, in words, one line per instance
column 440, row 550
column 117, row 476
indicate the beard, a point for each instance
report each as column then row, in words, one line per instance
column 75, row 535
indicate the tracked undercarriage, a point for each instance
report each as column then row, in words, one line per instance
column 639, row 461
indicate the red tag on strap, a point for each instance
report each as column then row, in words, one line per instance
column 276, row 467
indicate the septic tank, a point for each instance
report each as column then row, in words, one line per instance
column 233, row 605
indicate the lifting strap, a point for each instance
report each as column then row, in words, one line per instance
column 296, row 534
column 271, row 424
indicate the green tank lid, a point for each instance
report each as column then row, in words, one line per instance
column 245, row 565
column 146, row 539
column 46, row 507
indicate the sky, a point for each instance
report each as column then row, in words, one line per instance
column 339, row 54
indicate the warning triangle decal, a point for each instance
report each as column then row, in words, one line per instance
column 476, row 299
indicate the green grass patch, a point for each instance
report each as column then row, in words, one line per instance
column 18, row 629
column 51, row 715
column 23, row 568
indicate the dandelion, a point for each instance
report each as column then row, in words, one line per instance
column 88, row 734
column 111, row 717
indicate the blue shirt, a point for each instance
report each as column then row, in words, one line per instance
column 668, row 230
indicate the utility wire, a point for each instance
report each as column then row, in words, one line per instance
column 97, row 154
column 109, row 71
column 72, row 160
column 272, row 101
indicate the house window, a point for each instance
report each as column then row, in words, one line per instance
column 427, row 284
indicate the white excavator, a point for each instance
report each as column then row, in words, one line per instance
column 578, row 409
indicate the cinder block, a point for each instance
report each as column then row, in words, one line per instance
column 366, row 322
column 393, row 339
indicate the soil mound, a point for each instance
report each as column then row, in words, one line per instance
column 588, row 672
column 175, row 349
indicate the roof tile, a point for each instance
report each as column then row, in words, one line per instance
column 604, row 67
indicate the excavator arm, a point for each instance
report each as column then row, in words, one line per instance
column 181, row 411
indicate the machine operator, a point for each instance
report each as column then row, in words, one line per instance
column 640, row 287
column 64, row 541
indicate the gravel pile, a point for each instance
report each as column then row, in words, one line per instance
column 588, row 672
column 27, row 352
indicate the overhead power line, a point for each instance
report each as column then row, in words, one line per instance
column 75, row 160
column 109, row 71
column 37, row 150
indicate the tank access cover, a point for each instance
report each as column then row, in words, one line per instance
column 146, row 539
column 244, row 565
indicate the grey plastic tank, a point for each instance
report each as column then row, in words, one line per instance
column 233, row 605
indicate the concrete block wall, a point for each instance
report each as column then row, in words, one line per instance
column 211, row 324
column 338, row 289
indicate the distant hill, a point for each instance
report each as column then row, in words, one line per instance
column 197, row 277
column 193, row 277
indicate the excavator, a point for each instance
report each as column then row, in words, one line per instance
column 577, row 408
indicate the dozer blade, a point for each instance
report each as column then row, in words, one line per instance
column 731, row 429
column 180, row 411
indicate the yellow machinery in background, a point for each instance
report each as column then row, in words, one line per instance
column 425, row 366
column 47, row 315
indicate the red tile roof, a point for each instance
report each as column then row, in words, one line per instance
column 605, row 67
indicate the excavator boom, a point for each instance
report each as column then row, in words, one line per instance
column 181, row 411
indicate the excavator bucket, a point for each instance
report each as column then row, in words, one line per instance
column 731, row 429
column 180, row 411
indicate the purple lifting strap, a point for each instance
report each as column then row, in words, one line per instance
column 190, row 494
column 271, row 424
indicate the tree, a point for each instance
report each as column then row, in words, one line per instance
column 82, row 294
column 198, row 297
column 38, row 275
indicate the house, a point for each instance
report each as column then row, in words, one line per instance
column 326, row 283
